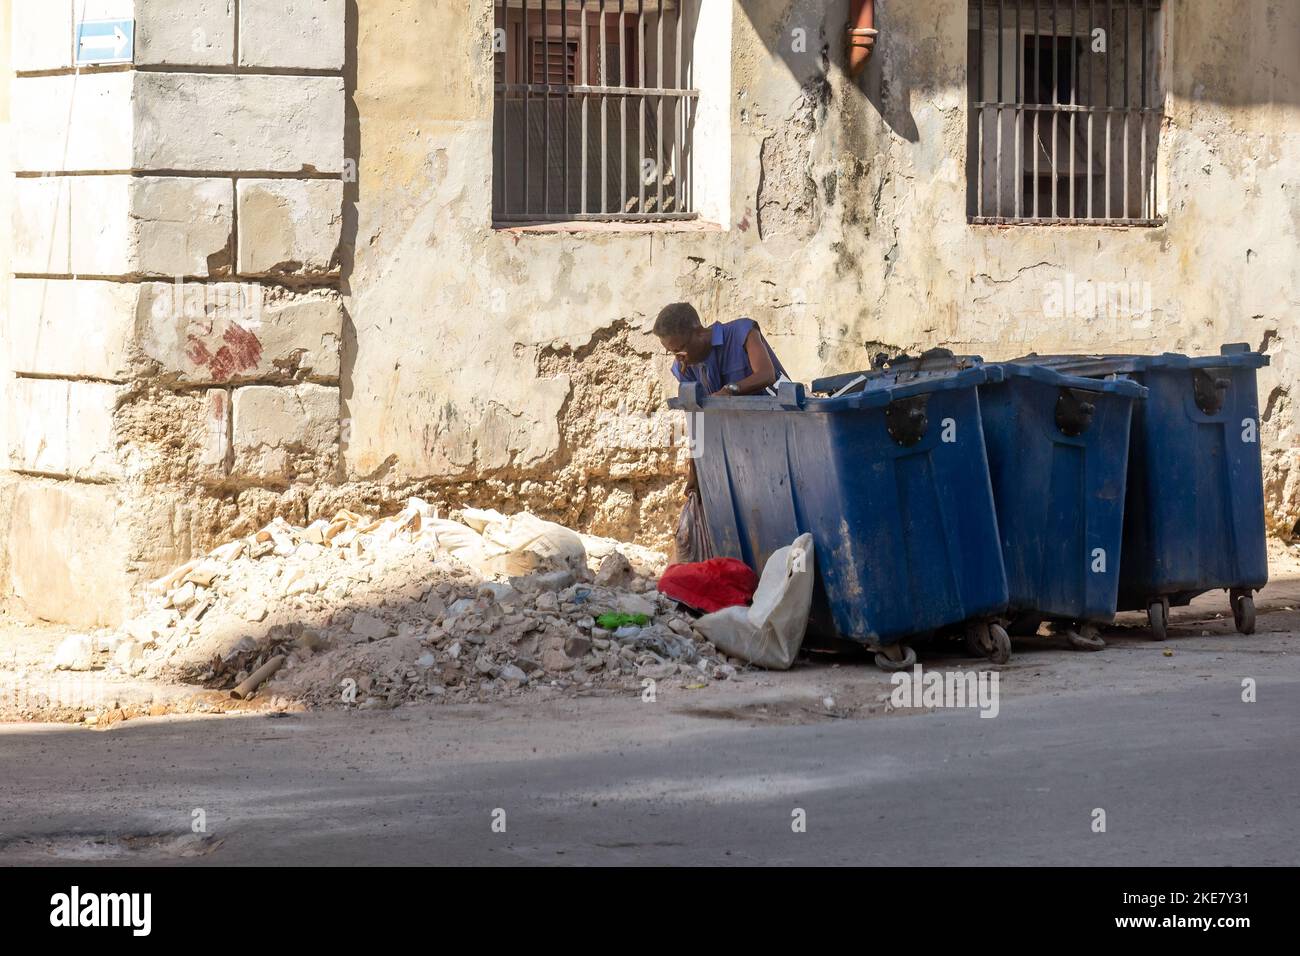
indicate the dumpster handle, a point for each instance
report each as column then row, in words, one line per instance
column 1209, row 390
column 906, row 421
column 1074, row 411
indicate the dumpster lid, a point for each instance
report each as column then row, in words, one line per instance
column 692, row 397
column 888, row 372
column 876, row 392
column 1237, row 355
column 1022, row 368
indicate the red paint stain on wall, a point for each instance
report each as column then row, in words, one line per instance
column 242, row 351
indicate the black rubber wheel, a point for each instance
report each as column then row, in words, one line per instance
column 1243, row 611
column 887, row 663
column 1086, row 638
column 1001, row 641
column 1158, row 615
column 978, row 642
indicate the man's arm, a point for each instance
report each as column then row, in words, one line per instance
column 764, row 375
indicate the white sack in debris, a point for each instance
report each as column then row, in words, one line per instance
column 769, row 632
column 462, row 543
column 524, row 544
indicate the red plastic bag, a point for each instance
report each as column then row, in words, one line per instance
column 710, row 585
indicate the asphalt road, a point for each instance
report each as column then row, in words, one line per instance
column 1186, row 772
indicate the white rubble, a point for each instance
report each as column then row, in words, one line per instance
column 75, row 653
column 378, row 612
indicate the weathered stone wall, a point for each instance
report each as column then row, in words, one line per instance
column 328, row 167
column 175, row 318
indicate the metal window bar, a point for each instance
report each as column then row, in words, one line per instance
column 998, row 117
column 979, row 122
column 1058, row 183
column 564, row 63
column 1038, row 73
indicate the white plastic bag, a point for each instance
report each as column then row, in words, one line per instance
column 770, row 632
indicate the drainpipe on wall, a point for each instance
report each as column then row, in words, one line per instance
column 861, row 34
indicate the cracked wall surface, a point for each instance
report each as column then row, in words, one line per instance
column 514, row 368
column 848, row 227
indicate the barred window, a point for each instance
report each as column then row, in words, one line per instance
column 1065, row 111
column 593, row 110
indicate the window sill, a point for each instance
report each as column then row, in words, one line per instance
column 1005, row 223
column 593, row 226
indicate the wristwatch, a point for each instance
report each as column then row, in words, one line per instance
column 733, row 389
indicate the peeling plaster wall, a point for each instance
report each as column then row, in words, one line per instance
column 848, row 225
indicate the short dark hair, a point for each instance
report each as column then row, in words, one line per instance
column 680, row 318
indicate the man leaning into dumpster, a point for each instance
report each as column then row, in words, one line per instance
column 728, row 358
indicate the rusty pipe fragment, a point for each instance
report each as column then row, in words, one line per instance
column 255, row 679
column 861, row 34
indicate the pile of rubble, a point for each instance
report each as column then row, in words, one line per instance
column 375, row 613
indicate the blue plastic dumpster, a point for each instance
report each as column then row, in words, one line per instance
column 891, row 481
column 1058, row 456
column 1194, row 511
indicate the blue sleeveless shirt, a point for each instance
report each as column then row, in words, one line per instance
column 727, row 361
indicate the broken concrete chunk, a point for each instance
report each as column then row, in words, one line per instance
column 151, row 625
column 512, row 673
column 204, row 574
column 577, row 646
column 635, row 604
column 303, row 584
column 656, row 671
column 554, row 659
column 228, row 552
column 130, row 657
column 108, row 643
column 498, row 592
column 460, row 607
column 183, row 596
column 615, row 570
column 544, row 581
column 370, row 627
column 74, row 653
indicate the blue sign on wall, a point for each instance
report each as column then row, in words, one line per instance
column 105, row 41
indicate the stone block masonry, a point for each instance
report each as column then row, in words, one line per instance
column 176, row 322
column 146, row 121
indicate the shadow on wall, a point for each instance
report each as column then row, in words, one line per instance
column 809, row 38
column 1237, row 53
